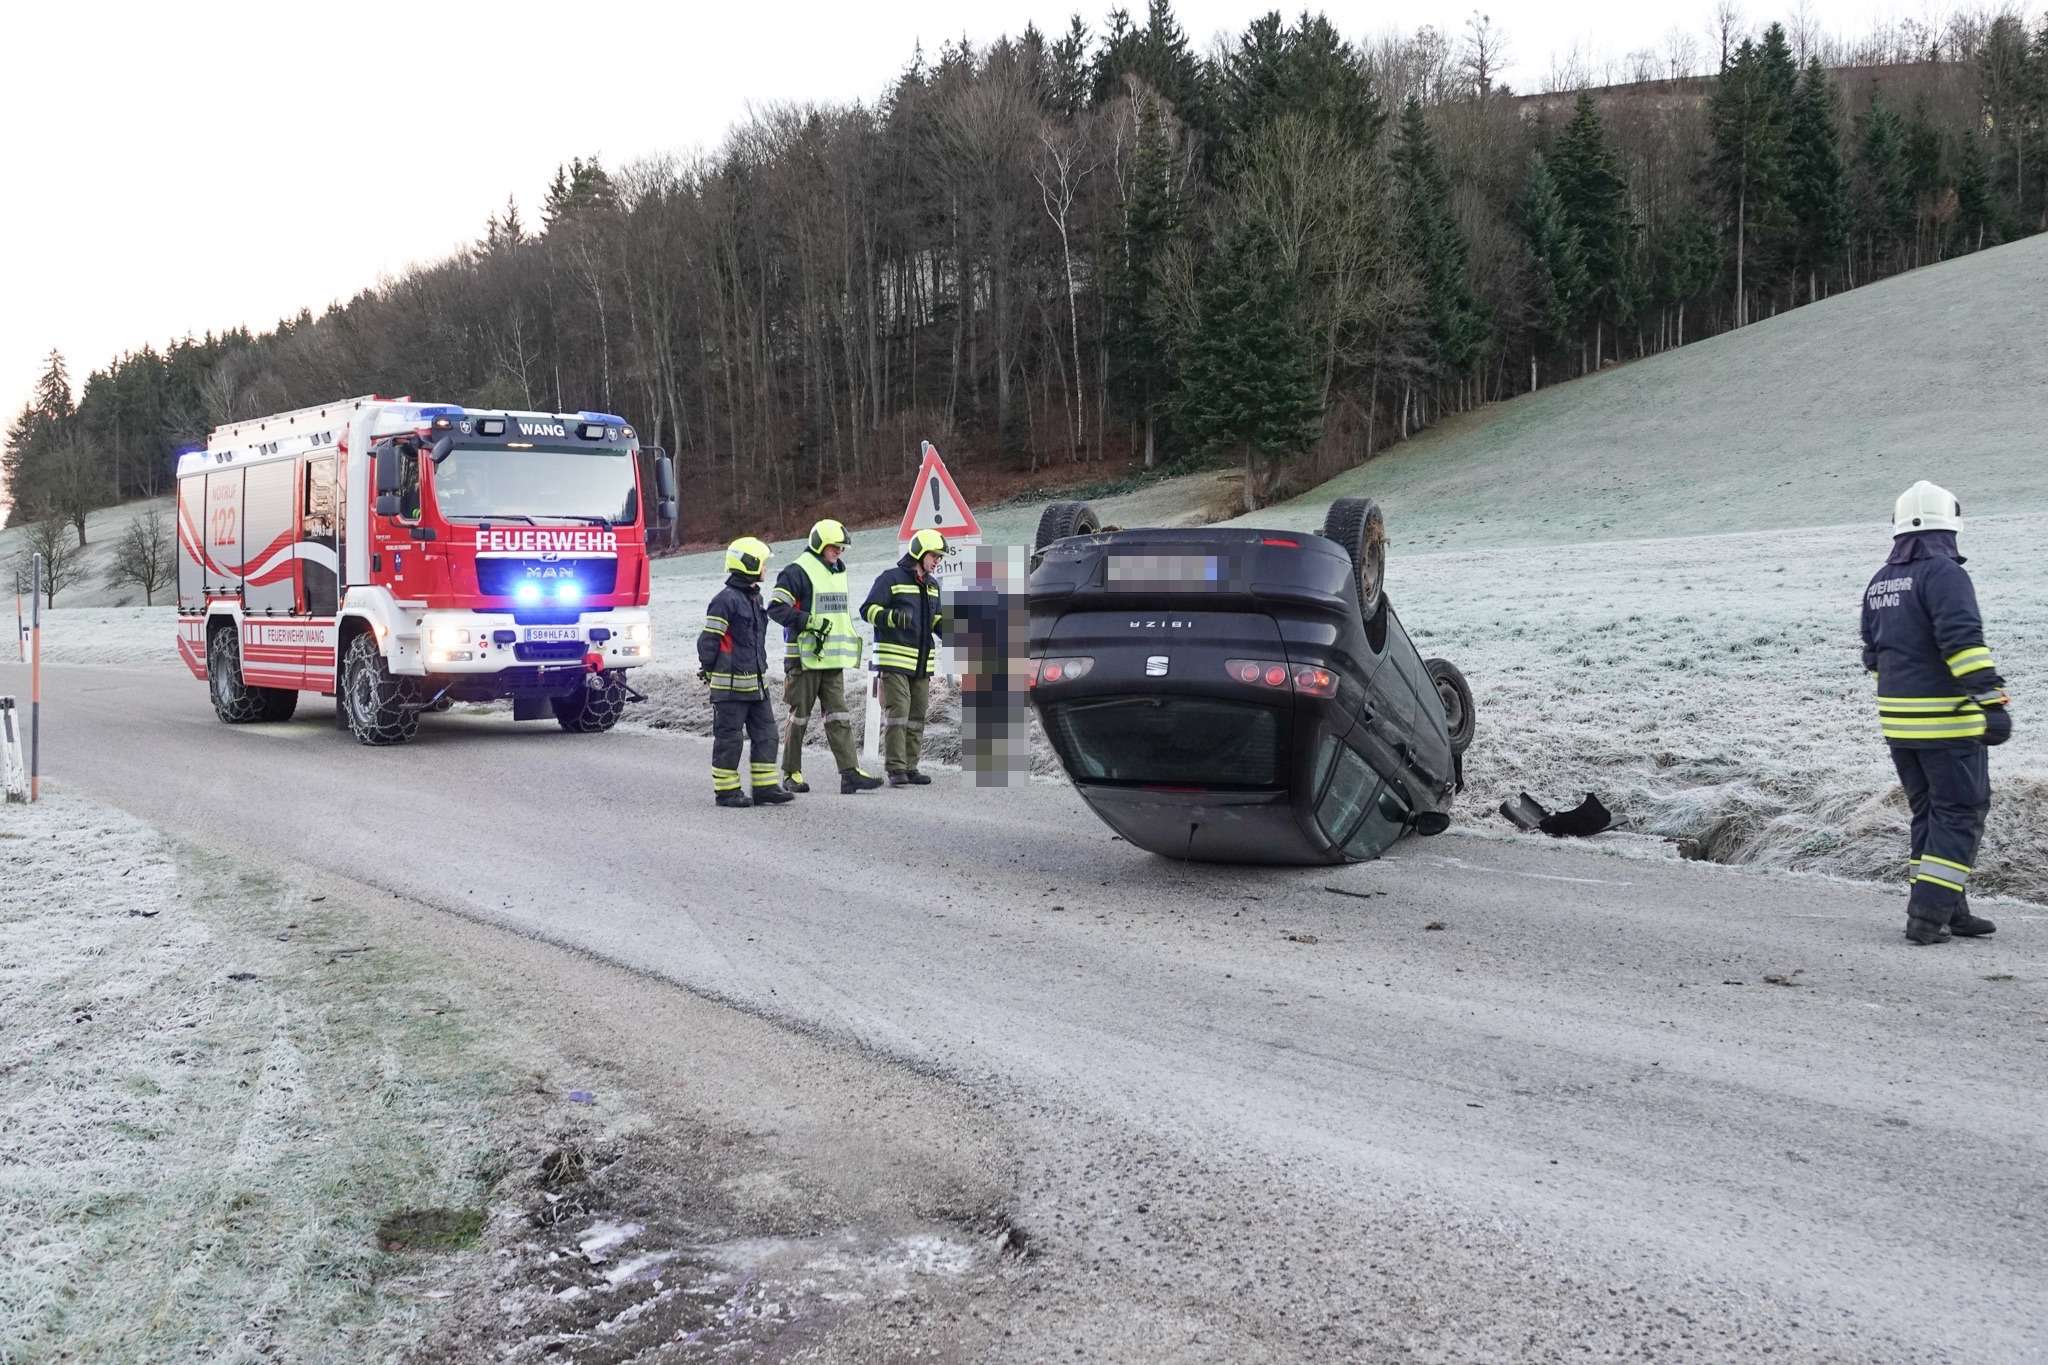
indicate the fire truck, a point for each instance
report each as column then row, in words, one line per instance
column 401, row 556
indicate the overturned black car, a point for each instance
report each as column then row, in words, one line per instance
column 1241, row 696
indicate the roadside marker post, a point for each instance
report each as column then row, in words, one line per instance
column 935, row 505
column 13, row 772
column 35, row 679
column 20, row 624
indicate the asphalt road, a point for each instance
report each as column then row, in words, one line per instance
column 1507, row 1100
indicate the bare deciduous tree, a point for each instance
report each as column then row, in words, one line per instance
column 63, row 565
column 145, row 556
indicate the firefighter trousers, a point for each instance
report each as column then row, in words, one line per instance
column 1948, row 789
column 737, row 723
column 805, row 689
column 905, row 701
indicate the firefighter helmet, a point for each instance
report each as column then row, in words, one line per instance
column 828, row 532
column 747, row 556
column 927, row 543
column 1926, row 507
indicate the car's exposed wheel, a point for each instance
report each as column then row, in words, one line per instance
column 1060, row 520
column 1456, row 695
column 1356, row 524
column 593, row 710
column 381, row 708
column 234, row 701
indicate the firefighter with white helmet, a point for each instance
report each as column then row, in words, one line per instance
column 1941, row 703
column 904, row 608
column 733, row 652
column 811, row 604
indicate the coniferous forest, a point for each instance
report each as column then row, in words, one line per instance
column 1107, row 246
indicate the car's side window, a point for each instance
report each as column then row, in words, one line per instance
column 1349, row 788
column 1385, row 818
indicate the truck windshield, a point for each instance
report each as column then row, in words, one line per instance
column 571, row 485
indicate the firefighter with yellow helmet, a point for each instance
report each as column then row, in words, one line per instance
column 904, row 609
column 813, row 607
column 732, row 651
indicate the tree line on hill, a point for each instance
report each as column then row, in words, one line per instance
column 1106, row 243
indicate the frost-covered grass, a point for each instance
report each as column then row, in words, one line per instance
column 1711, row 688
column 214, row 1092
column 102, row 534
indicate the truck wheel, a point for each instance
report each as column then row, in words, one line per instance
column 1356, row 524
column 1456, row 695
column 234, row 701
column 280, row 703
column 1060, row 520
column 380, row 708
column 592, row 710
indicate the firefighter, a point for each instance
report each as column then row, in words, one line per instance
column 903, row 607
column 1941, row 703
column 733, row 652
column 811, row 604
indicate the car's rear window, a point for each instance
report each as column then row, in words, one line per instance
column 1171, row 741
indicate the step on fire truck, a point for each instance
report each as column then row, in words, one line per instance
column 402, row 556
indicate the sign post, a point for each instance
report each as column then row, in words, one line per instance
column 935, row 505
column 20, row 625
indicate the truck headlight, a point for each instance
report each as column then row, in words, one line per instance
column 445, row 636
column 642, row 633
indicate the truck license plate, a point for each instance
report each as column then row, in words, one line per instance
column 536, row 635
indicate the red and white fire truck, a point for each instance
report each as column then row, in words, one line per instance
column 401, row 556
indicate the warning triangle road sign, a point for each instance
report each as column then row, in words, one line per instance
column 936, row 504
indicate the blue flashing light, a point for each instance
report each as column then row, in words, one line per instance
column 198, row 448
column 428, row 414
column 606, row 418
column 568, row 592
column 527, row 595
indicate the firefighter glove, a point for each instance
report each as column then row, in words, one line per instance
column 1997, row 725
column 703, row 675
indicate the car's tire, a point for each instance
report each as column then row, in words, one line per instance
column 592, row 710
column 280, row 703
column 1357, row 525
column 381, row 708
column 1456, row 695
column 234, row 701
column 1060, row 520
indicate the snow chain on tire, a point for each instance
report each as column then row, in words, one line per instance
column 234, row 701
column 381, row 708
column 592, row 710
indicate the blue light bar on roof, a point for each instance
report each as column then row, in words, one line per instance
column 603, row 417
column 443, row 410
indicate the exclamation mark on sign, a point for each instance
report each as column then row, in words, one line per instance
column 938, row 512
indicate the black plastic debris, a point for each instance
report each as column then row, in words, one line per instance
column 1587, row 818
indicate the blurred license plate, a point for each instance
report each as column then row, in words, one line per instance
column 537, row 635
column 1161, row 571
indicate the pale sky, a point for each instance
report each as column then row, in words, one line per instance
column 175, row 168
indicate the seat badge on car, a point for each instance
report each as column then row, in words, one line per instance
column 1155, row 666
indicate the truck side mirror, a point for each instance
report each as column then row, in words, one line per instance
column 442, row 449
column 390, row 472
column 665, row 477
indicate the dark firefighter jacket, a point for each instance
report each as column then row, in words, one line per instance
column 733, row 647
column 913, row 647
column 1924, row 639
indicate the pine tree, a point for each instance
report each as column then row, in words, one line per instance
column 1747, row 116
column 53, row 389
column 1454, row 323
column 1307, row 69
column 1066, row 92
column 1247, row 382
column 1883, row 201
column 1595, row 200
column 1557, row 262
column 1973, row 195
column 1153, row 223
column 1816, row 187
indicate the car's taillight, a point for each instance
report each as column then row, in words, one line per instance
column 1062, row 670
column 1313, row 682
column 1280, row 544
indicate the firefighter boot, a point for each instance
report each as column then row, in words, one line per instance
column 1926, row 932
column 916, row 778
column 794, row 782
column 853, row 780
column 1963, row 924
column 899, row 779
column 734, row 800
column 771, row 796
